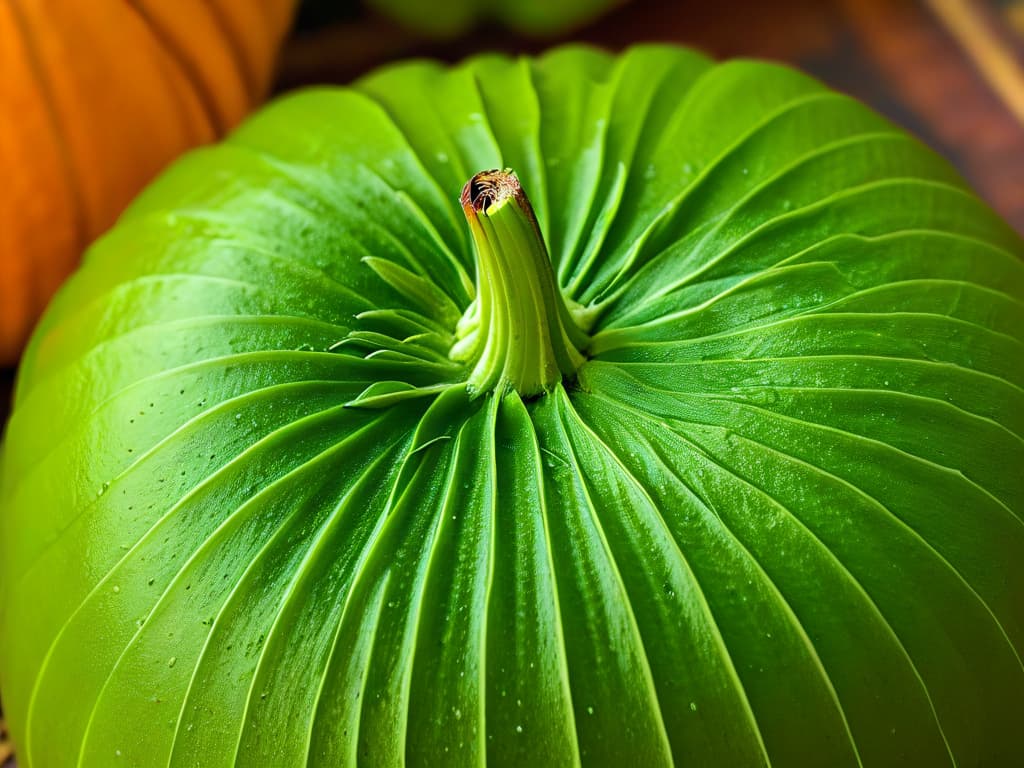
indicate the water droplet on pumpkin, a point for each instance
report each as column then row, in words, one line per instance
column 519, row 729
column 117, row 589
column 172, row 661
column 693, row 706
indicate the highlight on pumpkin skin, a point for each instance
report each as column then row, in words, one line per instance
column 518, row 331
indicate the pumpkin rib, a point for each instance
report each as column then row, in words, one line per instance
column 112, row 158
column 192, row 113
column 17, row 305
column 78, row 217
column 654, row 124
column 676, row 434
column 266, row 443
column 842, row 568
column 571, row 415
column 247, row 75
column 463, row 455
column 250, row 508
column 726, row 655
column 98, row 104
column 930, row 549
column 191, row 73
column 432, row 504
column 367, row 641
column 565, row 413
column 173, row 441
column 348, row 507
column 256, row 27
column 796, row 625
column 606, row 289
column 820, row 206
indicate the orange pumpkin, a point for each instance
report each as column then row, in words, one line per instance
column 96, row 96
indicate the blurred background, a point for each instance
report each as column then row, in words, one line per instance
column 950, row 71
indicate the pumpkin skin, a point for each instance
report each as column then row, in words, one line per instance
column 96, row 99
column 775, row 518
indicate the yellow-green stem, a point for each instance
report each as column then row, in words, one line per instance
column 519, row 332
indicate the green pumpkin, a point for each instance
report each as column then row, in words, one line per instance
column 443, row 19
column 450, row 18
column 696, row 440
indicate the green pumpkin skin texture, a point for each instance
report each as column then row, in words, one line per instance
column 775, row 520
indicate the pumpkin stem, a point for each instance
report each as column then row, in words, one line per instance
column 518, row 332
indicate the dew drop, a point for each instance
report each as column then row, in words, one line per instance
column 519, row 729
column 693, row 706
column 172, row 661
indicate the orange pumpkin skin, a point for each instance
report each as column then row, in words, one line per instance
column 96, row 96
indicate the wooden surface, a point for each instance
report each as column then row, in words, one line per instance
column 950, row 71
